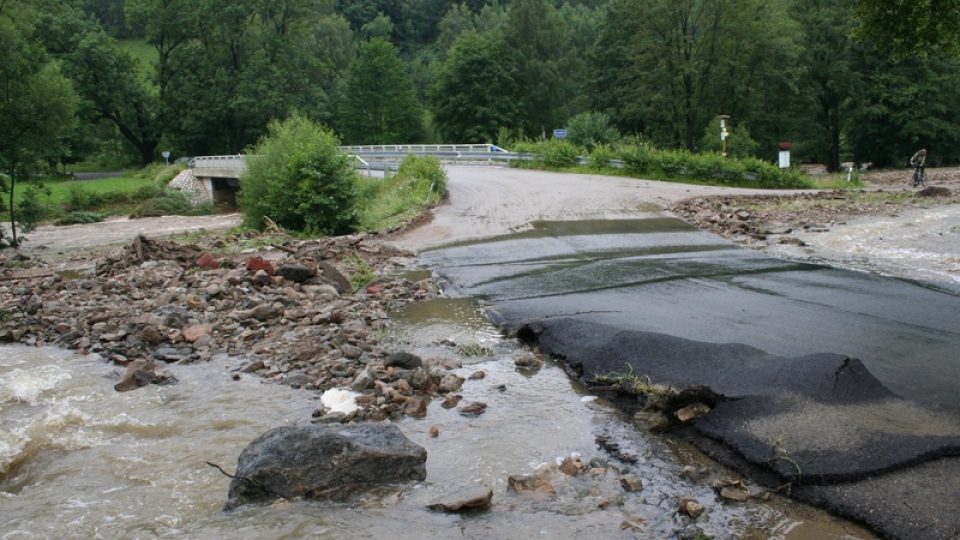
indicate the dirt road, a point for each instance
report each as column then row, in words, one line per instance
column 50, row 238
column 487, row 201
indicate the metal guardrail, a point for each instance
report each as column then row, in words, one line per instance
column 382, row 157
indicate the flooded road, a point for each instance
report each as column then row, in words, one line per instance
column 846, row 374
column 918, row 244
column 79, row 460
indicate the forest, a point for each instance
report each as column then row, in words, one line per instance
column 117, row 82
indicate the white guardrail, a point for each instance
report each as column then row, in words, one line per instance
column 382, row 157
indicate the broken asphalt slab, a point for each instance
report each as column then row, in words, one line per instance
column 840, row 383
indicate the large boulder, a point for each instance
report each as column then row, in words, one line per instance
column 324, row 461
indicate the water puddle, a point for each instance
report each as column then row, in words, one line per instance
column 77, row 456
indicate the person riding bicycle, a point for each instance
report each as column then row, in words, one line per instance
column 918, row 161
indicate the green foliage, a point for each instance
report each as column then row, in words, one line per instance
column 37, row 105
column 557, row 153
column 590, row 129
column 167, row 203
column 910, row 27
column 469, row 98
column 640, row 159
column 361, row 273
column 31, row 208
column 600, row 157
column 300, row 180
column 80, row 217
column 381, row 104
column 420, row 183
column 739, row 142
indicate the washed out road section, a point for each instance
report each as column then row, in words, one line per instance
column 829, row 377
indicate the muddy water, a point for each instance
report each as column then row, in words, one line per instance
column 920, row 244
column 78, row 460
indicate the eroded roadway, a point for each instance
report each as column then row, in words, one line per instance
column 841, row 383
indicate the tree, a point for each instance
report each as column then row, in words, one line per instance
column 112, row 89
column 298, row 178
column 690, row 60
column 381, row 104
column 37, row 105
column 904, row 105
column 828, row 74
column 469, row 104
column 910, row 27
column 539, row 38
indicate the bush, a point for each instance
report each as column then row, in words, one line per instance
column 79, row 198
column 168, row 203
column 80, row 217
column 739, row 142
column 591, row 129
column 600, row 157
column 300, row 180
column 427, row 170
column 31, row 210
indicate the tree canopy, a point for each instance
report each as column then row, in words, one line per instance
column 841, row 79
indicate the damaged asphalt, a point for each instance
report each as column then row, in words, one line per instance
column 842, row 385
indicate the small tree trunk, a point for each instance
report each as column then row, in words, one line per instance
column 13, row 222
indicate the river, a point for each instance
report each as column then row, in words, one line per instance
column 79, row 460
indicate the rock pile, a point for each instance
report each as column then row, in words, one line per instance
column 292, row 315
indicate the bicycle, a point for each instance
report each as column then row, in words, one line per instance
column 919, row 176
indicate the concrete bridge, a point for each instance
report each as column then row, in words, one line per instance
column 216, row 179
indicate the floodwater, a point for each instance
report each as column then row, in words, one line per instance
column 917, row 244
column 79, row 460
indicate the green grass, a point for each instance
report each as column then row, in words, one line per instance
column 108, row 196
column 419, row 184
column 61, row 190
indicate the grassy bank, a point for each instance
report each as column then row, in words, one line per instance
column 68, row 200
column 640, row 160
column 419, row 184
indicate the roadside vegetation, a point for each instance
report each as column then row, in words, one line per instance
column 302, row 182
column 67, row 200
column 641, row 159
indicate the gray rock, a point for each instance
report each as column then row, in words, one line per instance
column 264, row 312
column 340, row 281
column 321, row 461
column 471, row 499
column 403, row 360
column 450, row 383
column 296, row 273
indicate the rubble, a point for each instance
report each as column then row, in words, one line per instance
column 158, row 302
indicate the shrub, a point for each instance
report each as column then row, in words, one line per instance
column 79, row 217
column 638, row 157
column 168, row 203
column 300, row 180
column 427, row 170
column 79, row 198
column 591, row 129
column 600, row 157
column 31, row 210
column 739, row 142
column 558, row 153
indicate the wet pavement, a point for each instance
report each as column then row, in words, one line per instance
column 839, row 382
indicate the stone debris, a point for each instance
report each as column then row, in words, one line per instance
column 691, row 507
column 468, row 500
column 324, row 462
column 631, row 482
column 474, row 409
column 152, row 301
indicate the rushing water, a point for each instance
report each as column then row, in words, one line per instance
column 79, row 460
column 920, row 244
